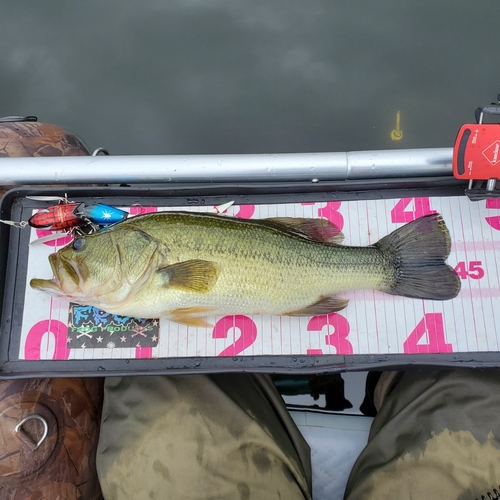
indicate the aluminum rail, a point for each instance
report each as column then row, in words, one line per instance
column 298, row 167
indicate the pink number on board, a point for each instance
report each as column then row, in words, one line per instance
column 34, row 339
column 331, row 212
column 245, row 211
column 432, row 325
column 59, row 242
column 338, row 338
column 248, row 333
column 473, row 270
column 421, row 207
column 494, row 221
column 314, row 352
column 139, row 210
column 143, row 352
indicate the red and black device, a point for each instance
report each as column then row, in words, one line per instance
column 476, row 154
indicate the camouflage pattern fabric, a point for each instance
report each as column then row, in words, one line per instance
column 62, row 467
column 25, row 139
column 437, row 435
column 218, row 437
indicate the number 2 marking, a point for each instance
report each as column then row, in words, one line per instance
column 248, row 333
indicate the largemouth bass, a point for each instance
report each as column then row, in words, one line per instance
column 185, row 266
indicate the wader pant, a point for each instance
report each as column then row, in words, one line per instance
column 200, row 437
column 437, row 435
column 230, row 437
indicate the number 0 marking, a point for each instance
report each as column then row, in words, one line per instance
column 34, row 339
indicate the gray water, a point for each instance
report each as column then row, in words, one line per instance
column 250, row 76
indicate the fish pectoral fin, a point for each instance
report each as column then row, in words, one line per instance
column 185, row 316
column 320, row 230
column 191, row 275
column 325, row 305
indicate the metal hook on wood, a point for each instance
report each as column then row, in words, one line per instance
column 37, row 417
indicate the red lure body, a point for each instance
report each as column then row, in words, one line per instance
column 60, row 217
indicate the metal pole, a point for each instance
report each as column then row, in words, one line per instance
column 292, row 167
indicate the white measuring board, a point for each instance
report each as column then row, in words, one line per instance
column 372, row 323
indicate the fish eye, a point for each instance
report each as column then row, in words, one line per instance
column 78, row 243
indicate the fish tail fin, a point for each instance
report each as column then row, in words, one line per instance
column 417, row 253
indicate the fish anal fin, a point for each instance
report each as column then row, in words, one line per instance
column 186, row 316
column 191, row 275
column 320, row 230
column 325, row 305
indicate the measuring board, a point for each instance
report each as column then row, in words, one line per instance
column 373, row 323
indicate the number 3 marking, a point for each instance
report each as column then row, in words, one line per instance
column 338, row 338
column 331, row 212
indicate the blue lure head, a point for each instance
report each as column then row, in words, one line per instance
column 104, row 215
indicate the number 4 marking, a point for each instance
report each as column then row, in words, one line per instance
column 432, row 327
column 421, row 207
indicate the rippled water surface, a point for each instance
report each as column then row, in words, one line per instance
column 242, row 76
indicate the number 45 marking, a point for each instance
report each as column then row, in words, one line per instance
column 473, row 270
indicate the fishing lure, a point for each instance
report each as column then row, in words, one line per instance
column 70, row 216
column 62, row 217
column 103, row 215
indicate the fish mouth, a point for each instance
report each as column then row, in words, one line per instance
column 48, row 286
column 66, row 277
column 63, row 269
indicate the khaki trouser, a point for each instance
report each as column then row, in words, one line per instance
column 437, row 435
column 200, row 437
column 230, row 437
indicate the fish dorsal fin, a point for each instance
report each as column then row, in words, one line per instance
column 321, row 230
column 325, row 305
column 191, row 275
